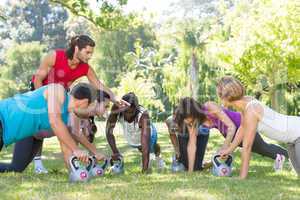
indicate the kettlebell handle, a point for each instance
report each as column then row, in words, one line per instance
column 118, row 159
column 227, row 162
column 91, row 163
column 73, row 159
column 216, row 159
column 104, row 165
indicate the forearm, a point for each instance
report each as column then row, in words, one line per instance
column 145, row 151
column 237, row 140
column 99, row 85
column 84, row 141
column 246, row 156
column 111, row 140
column 62, row 133
column 229, row 136
column 175, row 143
column 191, row 150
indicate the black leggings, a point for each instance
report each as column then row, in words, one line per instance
column 201, row 147
column 269, row 150
column 24, row 152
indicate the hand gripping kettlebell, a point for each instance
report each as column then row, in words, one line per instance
column 117, row 166
column 97, row 169
column 78, row 173
column 222, row 168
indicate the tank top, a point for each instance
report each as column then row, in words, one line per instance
column 132, row 131
column 62, row 73
column 235, row 117
column 26, row 114
column 277, row 126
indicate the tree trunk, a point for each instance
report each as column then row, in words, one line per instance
column 194, row 75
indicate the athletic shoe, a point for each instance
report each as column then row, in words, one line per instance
column 160, row 163
column 41, row 170
column 278, row 163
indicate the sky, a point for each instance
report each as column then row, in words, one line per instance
column 156, row 7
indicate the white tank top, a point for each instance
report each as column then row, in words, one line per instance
column 132, row 131
column 277, row 126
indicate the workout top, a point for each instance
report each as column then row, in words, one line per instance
column 26, row 114
column 132, row 131
column 218, row 124
column 277, row 126
column 62, row 73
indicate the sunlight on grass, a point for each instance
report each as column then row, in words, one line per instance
column 263, row 182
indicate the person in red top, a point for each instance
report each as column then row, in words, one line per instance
column 64, row 67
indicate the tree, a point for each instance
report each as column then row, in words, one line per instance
column 264, row 52
column 21, row 61
column 109, row 17
column 35, row 21
column 112, row 46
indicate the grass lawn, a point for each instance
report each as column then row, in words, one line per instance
column 263, row 183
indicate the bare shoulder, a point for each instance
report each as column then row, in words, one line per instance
column 212, row 106
column 55, row 90
column 254, row 109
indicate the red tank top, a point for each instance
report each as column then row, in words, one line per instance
column 62, row 73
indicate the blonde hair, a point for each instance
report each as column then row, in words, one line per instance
column 230, row 89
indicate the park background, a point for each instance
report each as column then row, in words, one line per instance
column 161, row 50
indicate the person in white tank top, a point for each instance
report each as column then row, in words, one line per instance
column 138, row 131
column 258, row 117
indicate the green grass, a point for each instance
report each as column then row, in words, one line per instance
column 263, row 183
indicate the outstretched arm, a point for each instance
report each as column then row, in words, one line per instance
column 172, row 132
column 55, row 95
column 145, row 139
column 81, row 138
column 217, row 111
column 250, row 124
column 110, row 125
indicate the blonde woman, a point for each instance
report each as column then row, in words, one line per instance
column 255, row 116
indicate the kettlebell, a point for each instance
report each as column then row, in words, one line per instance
column 117, row 166
column 177, row 166
column 78, row 173
column 222, row 168
column 97, row 169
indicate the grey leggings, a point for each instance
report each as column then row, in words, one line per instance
column 294, row 153
column 269, row 150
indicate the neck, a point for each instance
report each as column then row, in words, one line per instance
column 241, row 103
column 73, row 61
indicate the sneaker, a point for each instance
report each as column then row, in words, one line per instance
column 279, row 161
column 41, row 170
column 160, row 163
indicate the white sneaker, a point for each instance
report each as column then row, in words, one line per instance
column 278, row 163
column 40, row 170
column 160, row 163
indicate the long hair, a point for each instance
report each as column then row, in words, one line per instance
column 189, row 107
column 81, row 41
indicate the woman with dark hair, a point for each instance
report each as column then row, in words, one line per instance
column 228, row 122
column 192, row 138
column 138, row 130
column 23, row 154
column 64, row 66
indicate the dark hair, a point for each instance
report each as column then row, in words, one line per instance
column 82, row 92
column 189, row 107
column 102, row 96
column 81, row 41
column 132, row 99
